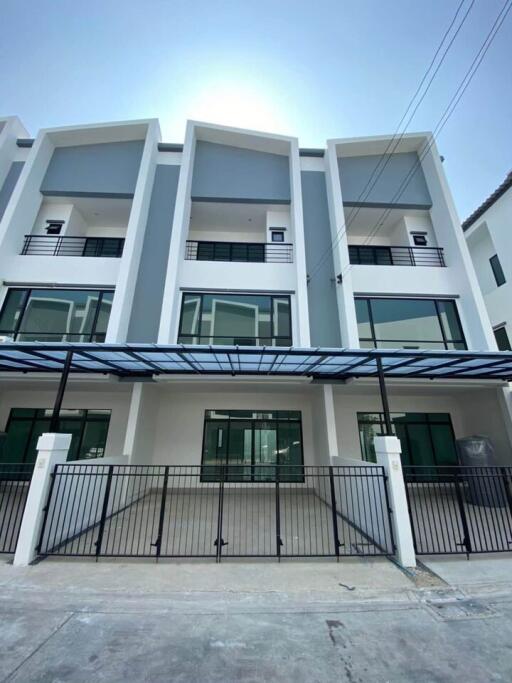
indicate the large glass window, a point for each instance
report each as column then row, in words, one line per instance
column 251, row 443
column 243, row 319
column 426, row 438
column 74, row 315
column 409, row 323
column 89, row 429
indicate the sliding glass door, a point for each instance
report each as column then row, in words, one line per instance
column 252, row 443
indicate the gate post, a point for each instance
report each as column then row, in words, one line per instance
column 52, row 450
column 388, row 450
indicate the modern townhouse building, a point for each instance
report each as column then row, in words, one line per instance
column 243, row 309
column 487, row 232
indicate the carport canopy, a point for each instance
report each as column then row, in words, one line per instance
column 135, row 360
column 138, row 361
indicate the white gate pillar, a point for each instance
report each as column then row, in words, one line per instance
column 388, row 450
column 52, row 450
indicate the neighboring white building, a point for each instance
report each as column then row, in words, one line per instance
column 489, row 237
column 238, row 300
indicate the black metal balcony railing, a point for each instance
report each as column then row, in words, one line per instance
column 247, row 252
column 57, row 245
column 396, row 256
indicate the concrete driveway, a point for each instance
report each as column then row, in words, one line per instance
column 356, row 621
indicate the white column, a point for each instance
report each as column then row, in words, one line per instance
column 388, row 450
column 330, row 422
column 52, row 450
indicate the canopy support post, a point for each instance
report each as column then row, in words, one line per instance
column 384, row 398
column 54, row 422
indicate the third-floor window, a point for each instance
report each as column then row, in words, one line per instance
column 392, row 323
column 242, row 319
column 55, row 315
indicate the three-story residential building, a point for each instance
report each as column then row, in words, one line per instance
column 272, row 260
column 487, row 232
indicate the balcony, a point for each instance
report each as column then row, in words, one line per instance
column 245, row 252
column 56, row 245
column 363, row 255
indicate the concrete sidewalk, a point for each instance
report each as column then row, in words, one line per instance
column 357, row 621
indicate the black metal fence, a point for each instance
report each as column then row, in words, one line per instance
column 14, row 485
column 183, row 511
column 250, row 252
column 56, row 245
column 396, row 256
column 460, row 509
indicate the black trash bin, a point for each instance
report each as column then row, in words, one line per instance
column 484, row 487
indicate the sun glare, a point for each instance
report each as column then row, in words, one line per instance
column 236, row 104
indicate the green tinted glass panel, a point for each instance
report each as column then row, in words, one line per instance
column 363, row 319
column 282, row 318
column 419, row 443
column 94, row 439
column 73, row 427
column 190, row 314
column 15, row 443
column 405, row 319
column 104, row 314
column 445, row 452
column 12, row 309
column 450, row 321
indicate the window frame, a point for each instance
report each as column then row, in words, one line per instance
column 429, row 421
column 298, row 478
column 419, row 239
column 273, row 234
column 503, row 329
column 272, row 297
column 23, row 308
column 497, row 270
column 445, row 341
column 84, row 419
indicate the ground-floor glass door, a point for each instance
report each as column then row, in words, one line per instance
column 252, row 443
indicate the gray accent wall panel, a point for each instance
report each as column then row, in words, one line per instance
column 106, row 169
column 224, row 172
column 356, row 171
column 149, row 288
column 9, row 184
column 323, row 307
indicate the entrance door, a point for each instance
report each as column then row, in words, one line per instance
column 265, row 449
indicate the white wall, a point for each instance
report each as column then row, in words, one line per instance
column 472, row 411
column 492, row 233
column 180, row 420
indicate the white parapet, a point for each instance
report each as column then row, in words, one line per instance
column 388, row 450
column 52, row 450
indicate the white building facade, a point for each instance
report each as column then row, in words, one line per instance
column 487, row 232
column 233, row 300
column 237, row 238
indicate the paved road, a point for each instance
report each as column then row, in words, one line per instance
column 72, row 622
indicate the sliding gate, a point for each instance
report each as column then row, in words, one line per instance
column 217, row 511
column 460, row 509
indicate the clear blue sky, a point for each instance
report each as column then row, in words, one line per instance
column 311, row 68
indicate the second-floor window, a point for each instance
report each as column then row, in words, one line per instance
column 392, row 323
column 55, row 315
column 497, row 270
column 235, row 319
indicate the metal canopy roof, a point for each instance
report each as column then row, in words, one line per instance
column 132, row 360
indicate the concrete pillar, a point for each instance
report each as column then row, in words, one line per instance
column 52, row 450
column 330, row 422
column 388, row 450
